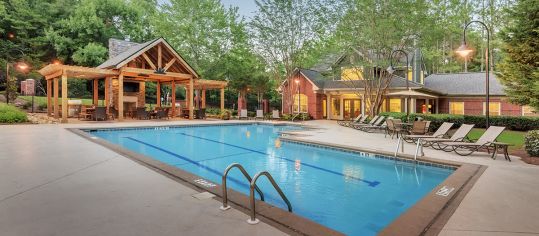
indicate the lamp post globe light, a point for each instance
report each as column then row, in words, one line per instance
column 464, row 51
column 19, row 66
column 391, row 70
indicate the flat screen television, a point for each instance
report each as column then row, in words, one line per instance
column 131, row 87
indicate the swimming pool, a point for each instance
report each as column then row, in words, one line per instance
column 351, row 193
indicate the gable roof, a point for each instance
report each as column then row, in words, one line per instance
column 463, row 84
column 136, row 50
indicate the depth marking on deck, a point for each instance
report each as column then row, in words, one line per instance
column 370, row 183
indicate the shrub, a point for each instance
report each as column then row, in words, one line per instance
column 519, row 123
column 225, row 115
column 213, row 111
column 531, row 143
column 11, row 114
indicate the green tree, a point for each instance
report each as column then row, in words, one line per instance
column 519, row 71
column 285, row 31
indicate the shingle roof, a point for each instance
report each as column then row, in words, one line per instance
column 114, row 61
column 323, row 82
column 463, row 84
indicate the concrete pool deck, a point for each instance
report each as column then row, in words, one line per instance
column 45, row 191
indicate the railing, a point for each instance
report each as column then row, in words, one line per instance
column 419, row 146
column 253, row 219
column 225, row 205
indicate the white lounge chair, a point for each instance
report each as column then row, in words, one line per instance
column 259, row 114
column 275, row 115
column 243, row 114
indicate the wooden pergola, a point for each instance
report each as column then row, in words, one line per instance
column 153, row 61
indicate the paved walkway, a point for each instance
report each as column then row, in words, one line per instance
column 54, row 182
column 504, row 201
column 57, row 183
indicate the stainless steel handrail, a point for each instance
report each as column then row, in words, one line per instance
column 253, row 219
column 225, row 205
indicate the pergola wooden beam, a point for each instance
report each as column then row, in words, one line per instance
column 64, row 97
column 150, row 63
column 169, row 64
column 159, row 57
column 145, row 72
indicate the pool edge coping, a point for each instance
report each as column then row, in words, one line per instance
column 426, row 217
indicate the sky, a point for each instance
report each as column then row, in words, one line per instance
column 246, row 7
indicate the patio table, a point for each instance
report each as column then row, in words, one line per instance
column 503, row 147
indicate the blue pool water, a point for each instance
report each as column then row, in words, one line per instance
column 353, row 194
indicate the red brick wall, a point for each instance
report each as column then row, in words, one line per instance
column 314, row 100
column 474, row 106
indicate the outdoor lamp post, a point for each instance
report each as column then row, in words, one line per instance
column 464, row 51
column 391, row 70
column 20, row 66
column 299, row 99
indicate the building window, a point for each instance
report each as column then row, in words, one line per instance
column 456, row 108
column 528, row 111
column 494, row 108
column 351, row 74
column 300, row 101
column 395, row 105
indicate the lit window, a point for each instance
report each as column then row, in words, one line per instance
column 351, row 74
column 456, row 108
column 395, row 105
column 301, row 100
column 528, row 111
column 493, row 108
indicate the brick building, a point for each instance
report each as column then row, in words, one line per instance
column 309, row 91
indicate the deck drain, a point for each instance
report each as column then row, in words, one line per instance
column 203, row 195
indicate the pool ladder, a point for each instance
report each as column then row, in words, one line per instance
column 252, row 187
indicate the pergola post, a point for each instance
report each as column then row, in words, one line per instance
column 107, row 95
column 203, row 97
column 173, row 98
column 158, row 96
column 64, row 97
column 56, row 106
column 191, row 109
column 222, row 99
column 121, row 96
column 95, row 92
column 49, row 99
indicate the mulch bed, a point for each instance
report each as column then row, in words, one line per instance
column 525, row 157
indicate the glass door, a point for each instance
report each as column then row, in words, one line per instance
column 352, row 108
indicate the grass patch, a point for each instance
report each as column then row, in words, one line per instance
column 508, row 136
column 11, row 114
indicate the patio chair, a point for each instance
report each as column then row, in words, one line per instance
column 418, row 128
column 142, row 114
column 113, row 113
column 100, row 113
column 162, row 113
column 346, row 122
column 243, row 114
column 275, row 115
column 394, row 127
column 259, row 114
column 440, row 132
column 375, row 127
column 357, row 125
column 465, row 148
column 201, row 113
column 84, row 113
column 459, row 136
